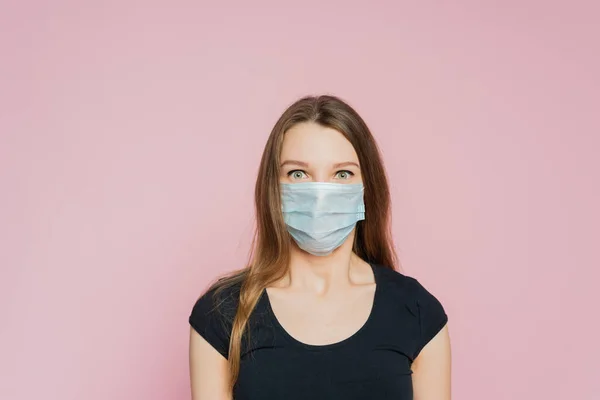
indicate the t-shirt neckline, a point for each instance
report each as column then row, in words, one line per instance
column 320, row 347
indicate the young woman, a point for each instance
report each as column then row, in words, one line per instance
column 321, row 311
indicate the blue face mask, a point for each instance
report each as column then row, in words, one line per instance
column 321, row 215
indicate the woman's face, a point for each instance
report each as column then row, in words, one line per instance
column 314, row 153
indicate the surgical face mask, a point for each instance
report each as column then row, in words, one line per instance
column 320, row 216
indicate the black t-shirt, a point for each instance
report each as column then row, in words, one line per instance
column 373, row 363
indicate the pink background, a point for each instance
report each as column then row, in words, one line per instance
column 130, row 138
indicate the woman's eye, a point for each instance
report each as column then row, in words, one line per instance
column 296, row 174
column 344, row 175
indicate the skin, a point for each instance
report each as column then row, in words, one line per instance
column 340, row 286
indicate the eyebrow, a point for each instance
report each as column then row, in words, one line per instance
column 294, row 162
column 305, row 165
column 346, row 164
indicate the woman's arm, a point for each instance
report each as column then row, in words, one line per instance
column 431, row 369
column 209, row 373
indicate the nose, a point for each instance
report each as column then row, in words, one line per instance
column 320, row 176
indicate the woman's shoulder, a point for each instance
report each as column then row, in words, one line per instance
column 222, row 297
column 402, row 288
column 400, row 282
column 415, row 301
column 213, row 313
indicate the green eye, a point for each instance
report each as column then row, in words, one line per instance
column 296, row 174
column 344, row 175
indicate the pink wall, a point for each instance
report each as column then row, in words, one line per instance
column 130, row 137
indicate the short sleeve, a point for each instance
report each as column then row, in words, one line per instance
column 211, row 319
column 432, row 316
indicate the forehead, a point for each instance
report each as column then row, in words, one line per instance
column 316, row 144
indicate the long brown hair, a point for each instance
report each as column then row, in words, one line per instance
column 270, row 252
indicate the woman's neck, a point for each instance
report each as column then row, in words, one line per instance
column 323, row 274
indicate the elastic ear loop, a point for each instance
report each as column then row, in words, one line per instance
column 360, row 216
